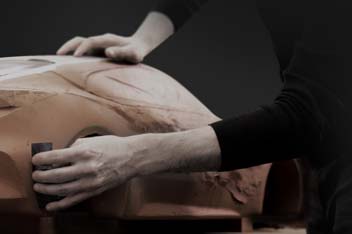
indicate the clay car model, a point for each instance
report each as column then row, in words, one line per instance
column 59, row 99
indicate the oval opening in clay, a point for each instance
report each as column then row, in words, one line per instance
column 89, row 132
column 284, row 190
column 6, row 110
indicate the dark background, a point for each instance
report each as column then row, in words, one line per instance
column 223, row 55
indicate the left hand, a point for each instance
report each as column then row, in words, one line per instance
column 93, row 165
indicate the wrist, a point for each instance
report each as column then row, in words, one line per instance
column 187, row 151
column 155, row 29
column 195, row 150
column 143, row 154
column 144, row 47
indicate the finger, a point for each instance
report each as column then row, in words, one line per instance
column 60, row 157
column 84, row 47
column 96, row 42
column 108, row 40
column 70, row 188
column 123, row 54
column 60, row 175
column 71, row 45
column 70, row 200
column 116, row 52
column 85, row 140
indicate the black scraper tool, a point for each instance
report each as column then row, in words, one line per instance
column 43, row 199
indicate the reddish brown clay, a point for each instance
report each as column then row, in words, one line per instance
column 59, row 99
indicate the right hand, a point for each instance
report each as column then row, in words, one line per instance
column 116, row 47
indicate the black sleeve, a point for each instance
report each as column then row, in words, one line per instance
column 304, row 120
column 284, row 130
column 179, row 11
column 311, row 115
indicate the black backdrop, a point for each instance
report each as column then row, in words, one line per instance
column 223, row 55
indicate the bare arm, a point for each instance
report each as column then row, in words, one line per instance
column 154, row 30
column 194, row 150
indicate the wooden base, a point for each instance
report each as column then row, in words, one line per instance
column 83, row 224
column 90, row 225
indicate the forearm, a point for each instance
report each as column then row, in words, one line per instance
column 187, row 151
column 154, row 30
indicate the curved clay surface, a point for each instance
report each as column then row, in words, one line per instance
column 58, row 99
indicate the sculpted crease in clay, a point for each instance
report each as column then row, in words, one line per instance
column 59, row 99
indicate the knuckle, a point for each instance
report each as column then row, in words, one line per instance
column 75, row 39
column 89, row 42
column 83, row 153
column 36, row 175
column 99, row 182
column 108, row 35
column 93, row 186
column 112, row 36
column 90, row 153
column 135, row 57
column 61, row 191
column 60, row 178
column 79, row 141
column 92, row 167
column 133, row 54
column 54, row 156
column 37, row 159
column 40, row 176
column 90, row 185
column 93, row 40
column 85, row 43
column 43, row 189
column 55, row 175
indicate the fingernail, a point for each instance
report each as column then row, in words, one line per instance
column 48, row 207
column 34, row 158
column 110, row 53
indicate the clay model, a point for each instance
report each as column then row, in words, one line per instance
column 61, row 98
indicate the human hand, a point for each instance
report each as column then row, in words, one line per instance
column 130, row 49
column 93, row 165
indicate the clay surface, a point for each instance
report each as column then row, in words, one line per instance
column 59, row 99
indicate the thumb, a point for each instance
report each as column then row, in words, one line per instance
column 124, row 53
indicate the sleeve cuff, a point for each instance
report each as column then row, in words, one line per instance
column 179, row 11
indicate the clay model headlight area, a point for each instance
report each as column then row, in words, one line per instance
column 58, row 99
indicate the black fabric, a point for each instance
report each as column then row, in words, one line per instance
column 179, row 11
column 310, row 115
column 295, row 125
column 335, row 193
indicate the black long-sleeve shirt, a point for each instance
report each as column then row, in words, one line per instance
column 310, row 115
